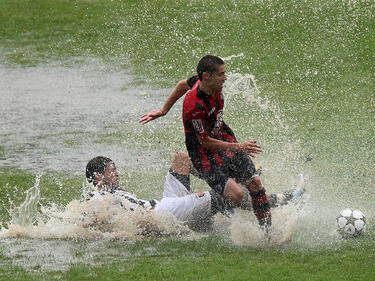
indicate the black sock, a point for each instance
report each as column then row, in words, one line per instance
column 184, row 179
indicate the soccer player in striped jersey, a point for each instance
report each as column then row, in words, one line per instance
column 213, row 148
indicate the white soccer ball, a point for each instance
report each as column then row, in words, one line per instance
column 351, row 223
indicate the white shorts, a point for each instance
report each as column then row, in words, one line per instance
column 186, row 206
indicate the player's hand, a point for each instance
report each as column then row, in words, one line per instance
column 250, row 148
column 151, row 116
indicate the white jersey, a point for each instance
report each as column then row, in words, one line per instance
column 129, row 200
column 192, row 208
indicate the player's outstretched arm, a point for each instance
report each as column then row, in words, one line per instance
column 181, row 88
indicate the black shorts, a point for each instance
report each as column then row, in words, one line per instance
column 240, row 168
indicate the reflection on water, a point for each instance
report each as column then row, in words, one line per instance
column 46, row 111
column 42, row 255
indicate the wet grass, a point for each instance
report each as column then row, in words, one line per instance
column 314, row 59
column 211, row 258
column 315, row 42
column 145, row 138
column 2, row 151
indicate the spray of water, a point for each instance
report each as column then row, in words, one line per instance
column 313, row 222
column 94, row 220
column 89, row 219
column 27, row 212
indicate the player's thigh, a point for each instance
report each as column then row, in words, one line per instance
column 233, row 191
column 183, row 208
column 241, row 168
column 217, row 179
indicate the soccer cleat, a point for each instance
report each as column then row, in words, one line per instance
column 299, row 190
column 297, row 193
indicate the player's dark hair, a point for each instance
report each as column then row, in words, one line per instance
column 96, row 166
column 208, row 64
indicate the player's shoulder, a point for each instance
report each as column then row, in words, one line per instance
column 192, row 81
column 194, row 110
column 192, row 102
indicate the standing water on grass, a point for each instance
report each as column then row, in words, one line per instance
column 300, row 82
column 63, row 123
column 96, row 220
column 64, row 119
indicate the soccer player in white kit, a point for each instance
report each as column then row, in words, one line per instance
column 195, row 209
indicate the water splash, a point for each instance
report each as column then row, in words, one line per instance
column 232, row 57
column 246, row 86
column 26, row 214
column 245, row 231
column 106, row 219
column 282, row 159
column 92, row 219
column 259, row 115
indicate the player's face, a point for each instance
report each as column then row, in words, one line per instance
column 111, row 177
column 218, row 78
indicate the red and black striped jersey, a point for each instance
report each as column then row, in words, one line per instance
column 203, row 115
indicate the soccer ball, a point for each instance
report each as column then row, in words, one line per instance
column 351, row 223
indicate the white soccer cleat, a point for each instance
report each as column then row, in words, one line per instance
column 299, row 190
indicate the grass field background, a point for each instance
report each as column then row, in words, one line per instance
column 77, row 75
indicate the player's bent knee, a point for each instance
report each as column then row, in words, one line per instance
column 256, row 181
column 181, row 163
column 254, row 185
column 234, row 193
column 180, row 158
column 238, row 197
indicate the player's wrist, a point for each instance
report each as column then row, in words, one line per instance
column 236, row 146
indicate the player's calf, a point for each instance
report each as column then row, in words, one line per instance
column 261, row 206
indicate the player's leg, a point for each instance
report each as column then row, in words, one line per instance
column 233, row 191
column 180, row 168
column 274, row 199
column 261, row 206
column 194, row 209
column 278, row 199
column 177, row 181
column 243, row 170
column 220, row 181
column 181, row 163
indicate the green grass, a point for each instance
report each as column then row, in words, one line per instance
column 165, row 39
column 211, row 259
